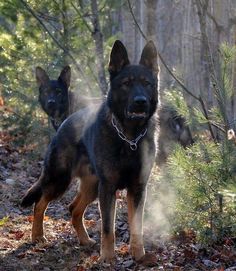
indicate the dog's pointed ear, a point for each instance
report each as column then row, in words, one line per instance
column 149, row 57
column 118, row 58
column 65, row 76
column 41, row 76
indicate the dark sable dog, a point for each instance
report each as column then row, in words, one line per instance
column 116, row 151
column 172, row 129
column 54, row 95
column 55, row 98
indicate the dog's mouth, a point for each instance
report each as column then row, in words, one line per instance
column 53, row 112
column 136, row 115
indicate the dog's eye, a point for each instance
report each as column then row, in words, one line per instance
column 126, row 82
column 146, row 83
column 58, row 91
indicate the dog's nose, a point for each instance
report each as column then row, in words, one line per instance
column 140, row 100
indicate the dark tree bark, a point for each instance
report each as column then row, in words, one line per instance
column 98, row 39
column 211, row 76
column 65, row 34
column 152, row 19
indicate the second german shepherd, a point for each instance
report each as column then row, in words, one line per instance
column 116, row 151
column 55, row 98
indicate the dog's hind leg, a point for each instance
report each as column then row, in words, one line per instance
column 87, row 193
column 37, row 228
column 50, row 186
column 36, row 195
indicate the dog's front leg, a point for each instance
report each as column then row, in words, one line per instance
column 136, row 200
column 107, row 202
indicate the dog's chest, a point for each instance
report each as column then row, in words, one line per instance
column 127, row 168
column 125, row 160
column 128, row 159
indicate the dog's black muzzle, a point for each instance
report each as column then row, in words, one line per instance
column 51, row 106
column 138, row 108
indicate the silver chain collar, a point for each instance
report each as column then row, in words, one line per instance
column 132, row 143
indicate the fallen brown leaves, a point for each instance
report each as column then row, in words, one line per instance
column 123, row 250
column 149, row 260
column 17, row 235
column 89, row 223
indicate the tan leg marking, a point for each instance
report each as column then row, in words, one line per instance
column 37, row 228
column 107, row 247
column 87, row 194
column 107, row 201
column 135, row 216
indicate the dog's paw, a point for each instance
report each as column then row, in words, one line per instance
column 137, row 252
column 87, row 242
column 107, row 258
column 39, row 239
column 149, row 260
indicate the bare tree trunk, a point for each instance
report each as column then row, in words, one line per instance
column 139, row 13
column 98, row 38
column 233, row 102
column 202, row 7
column 205, row 50
column 65, row 37
column 151, row 19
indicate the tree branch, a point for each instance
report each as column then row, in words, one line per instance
column 217, row 25
column 31, row 11
column 81, row 17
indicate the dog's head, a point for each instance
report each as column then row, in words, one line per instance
column 53, row 94
column 133, row 95
column 173, row 127
column 173, row 130
column 181, row 131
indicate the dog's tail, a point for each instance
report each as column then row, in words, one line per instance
column 33, row 195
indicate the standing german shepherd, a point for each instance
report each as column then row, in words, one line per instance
column 116, row 151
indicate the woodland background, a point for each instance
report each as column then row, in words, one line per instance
column 51, row 34
column 192, row 201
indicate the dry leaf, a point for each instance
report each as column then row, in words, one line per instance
column 94, row 258
column 124, row 249
column 30, row 218
column 17, row 234
column 89, row 223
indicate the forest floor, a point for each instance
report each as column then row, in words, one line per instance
column 63, row 252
